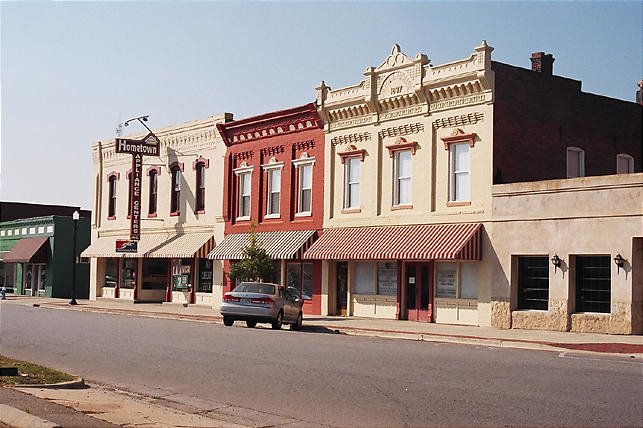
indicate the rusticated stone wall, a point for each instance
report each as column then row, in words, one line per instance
column 500, row 314
column 555, row 318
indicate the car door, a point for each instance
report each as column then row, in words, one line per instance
column 288, row 304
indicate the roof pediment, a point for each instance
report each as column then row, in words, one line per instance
column 395, row 59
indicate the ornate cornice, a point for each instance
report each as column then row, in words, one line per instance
column 270, row 124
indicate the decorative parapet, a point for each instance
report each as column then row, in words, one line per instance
column 404, row 87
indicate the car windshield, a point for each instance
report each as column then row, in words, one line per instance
column 249, row 287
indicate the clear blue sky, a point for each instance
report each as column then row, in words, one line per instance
column 71, row 71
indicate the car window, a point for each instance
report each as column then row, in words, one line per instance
column 294, row 293
column 249, row 287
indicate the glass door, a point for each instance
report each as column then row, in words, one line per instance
column 418, row 284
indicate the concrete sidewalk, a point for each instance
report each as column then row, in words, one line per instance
column 529, row 339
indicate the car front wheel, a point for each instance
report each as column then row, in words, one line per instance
column 297, row 324
column 228, row 321
column 276, row 324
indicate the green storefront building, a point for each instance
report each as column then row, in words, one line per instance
column 36, row 256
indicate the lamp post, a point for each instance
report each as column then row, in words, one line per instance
column 75, row 216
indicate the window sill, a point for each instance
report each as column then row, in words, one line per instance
column 244, row 218
column 303, row 214
column 111, row 218
column 199, row 212
column 151, row 215
column 402, row 207
column 351, row 210
column 458, row 203
column 175, row 214
column 272, row 216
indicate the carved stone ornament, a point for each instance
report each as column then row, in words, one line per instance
column 352, row 152
column 459, row 136
column 401, row 144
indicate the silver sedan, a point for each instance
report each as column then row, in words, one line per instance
column 255, row 302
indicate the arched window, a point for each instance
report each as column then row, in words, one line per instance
column 153, row 194
column 624, row 164
column 111, row 204
column 175, row 197
column 200, row 187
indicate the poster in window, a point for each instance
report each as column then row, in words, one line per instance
column 205, row 276
column 446, row 283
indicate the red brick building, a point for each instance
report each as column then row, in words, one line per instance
column 546, row 128
column 273, row 178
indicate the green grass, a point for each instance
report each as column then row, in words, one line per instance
column 29, row 373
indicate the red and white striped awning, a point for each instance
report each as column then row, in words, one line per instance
column 413, row 242
column 186, row 245
column 289, row 245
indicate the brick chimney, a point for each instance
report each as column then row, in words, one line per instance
column 639, row 93
column 542, row 63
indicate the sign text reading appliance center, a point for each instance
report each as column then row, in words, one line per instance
column 148, row 146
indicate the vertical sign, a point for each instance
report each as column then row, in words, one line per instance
column 148, row 146
column 137, row 173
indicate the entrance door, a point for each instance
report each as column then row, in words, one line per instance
column 342, row 288
column 418, row 284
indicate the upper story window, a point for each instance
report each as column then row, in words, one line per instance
column 200, row 187
column 459, row 145
column 352, row 172
column 401, row 152
column 624, row 164
column 273, row 190
column 352, row 160
column 575, row 162
column 153, row 192
column 402, row 178
column 176, row 170
column 304, row 167
column 459, row 173
column 244, row 188
column 111, row 204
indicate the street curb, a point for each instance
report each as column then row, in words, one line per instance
column 18, row 419
column 78, row 383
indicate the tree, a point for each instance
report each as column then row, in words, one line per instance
column 255, row 265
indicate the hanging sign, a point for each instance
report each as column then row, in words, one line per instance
column 148, row 146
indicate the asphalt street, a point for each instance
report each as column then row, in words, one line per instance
column 329, row 379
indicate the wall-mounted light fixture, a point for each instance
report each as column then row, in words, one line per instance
column 556, row 261
column 620, row 262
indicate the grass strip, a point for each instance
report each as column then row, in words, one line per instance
column 30, row 374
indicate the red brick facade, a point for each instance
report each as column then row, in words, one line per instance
column 537, row 116
column 281, row 138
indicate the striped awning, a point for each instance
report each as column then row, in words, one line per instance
column 413, row 242
column 29, row 250
column 186, row 245
column 278, row 245
column 105, row 246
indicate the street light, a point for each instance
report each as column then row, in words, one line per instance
column 75, row 216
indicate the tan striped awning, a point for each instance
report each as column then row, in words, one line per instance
column 106, row 246
column 186, row 245
column 414, row 242
column 278, row 245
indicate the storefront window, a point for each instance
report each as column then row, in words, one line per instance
column 155, row 273
column 128, row 273
column 205, row 276
column 363, row 278
column 387, row 278
column 453, row 284
column 181, row 274
column 111, row 272
column 300, row 276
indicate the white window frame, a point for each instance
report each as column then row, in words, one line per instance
column 349, row 182
column 397, row 178
column 581, row 161
column 271, row 167
column 630, row 163
column 240, row 174
column 462, row 174
column 301, row 163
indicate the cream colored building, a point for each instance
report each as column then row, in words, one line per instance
column 408, row 191
column 585, row 225
column 181, row 218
